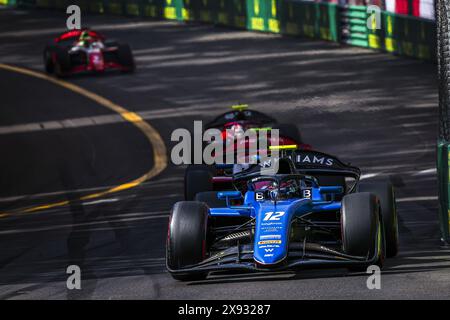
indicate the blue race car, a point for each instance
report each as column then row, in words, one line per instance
column 285, row 221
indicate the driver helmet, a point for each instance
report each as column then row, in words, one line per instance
column 289, row 189
column 85, row 38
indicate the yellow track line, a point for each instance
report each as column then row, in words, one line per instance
column 159, row 148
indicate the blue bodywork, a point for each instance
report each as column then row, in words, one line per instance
column 273, row 218
column 285, row 225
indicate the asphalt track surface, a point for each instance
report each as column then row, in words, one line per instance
column 376, row 111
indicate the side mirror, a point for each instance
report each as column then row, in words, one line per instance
column 225, row 195
column 331, row 190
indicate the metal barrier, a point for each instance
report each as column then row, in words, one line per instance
column 403, row 35
column 443, row 147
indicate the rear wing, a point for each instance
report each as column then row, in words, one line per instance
column 74, row 34
column 310, row 161
column 307, row 162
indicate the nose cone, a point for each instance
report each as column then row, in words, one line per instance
column 271, row 233
column 273, row 224
column 269, row 251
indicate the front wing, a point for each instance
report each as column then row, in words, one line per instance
column 240, row 258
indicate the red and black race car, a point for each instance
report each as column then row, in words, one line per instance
column 233, row 125
column 235, row 122
column 86, row 50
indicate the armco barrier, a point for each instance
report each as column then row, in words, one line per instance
column 44, row 4
column 96, row 6
column 173, row 9
column 443, row 164
column 153, row 8
column 224, row 14
column 26, row 3
column 443, row 145
column 239, row 13
column 206, row 10
column 256, row 15
column 116, row 7
column 133, row 8
column 403, row 35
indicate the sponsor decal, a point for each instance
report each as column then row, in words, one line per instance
column 271, row 223
column 310, row 159
column 259, row 196
column 266, row 164
column 269, row 246
column 270, row 242
column 271, row 229
column 270, row 236
column 273, row 216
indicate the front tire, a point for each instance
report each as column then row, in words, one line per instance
column 125, row 57
column 48, row 60
column 386, row 196
column 186, row 239
column 362, row 233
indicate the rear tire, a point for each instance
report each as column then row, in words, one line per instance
column 125, row 57
column 111, row 43
column 197, row 178
column 360, row 220
column 386, row 196
column 186, row 240
column 291, row 131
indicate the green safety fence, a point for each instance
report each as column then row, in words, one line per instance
column 133, row 8
column 397, row 34
column 205, row 10
column 224, row 13
column 403, row 35
column 45, row 3
column 95, row 6
column 239, row 14
column 173, row 9
column 314, row 20
column 25, row 3
column 353, row 25
column 8, row 2
column 256, row 15
column 300, row 18
column 410, row 36
column 114, row 7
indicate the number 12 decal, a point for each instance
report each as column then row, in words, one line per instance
column 273, row 216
